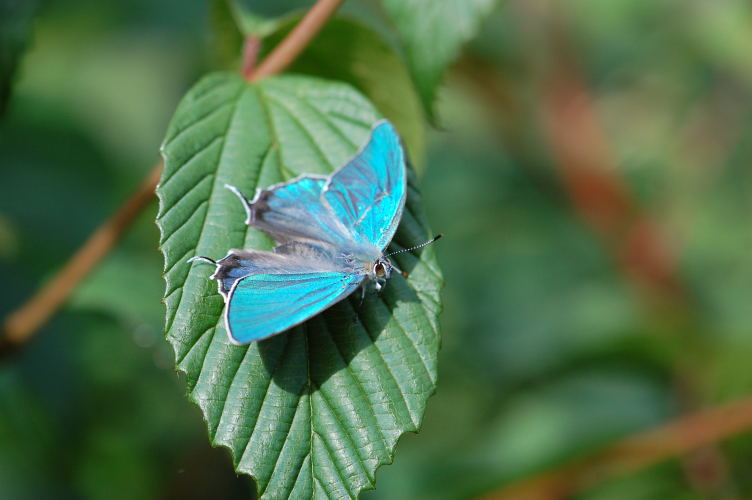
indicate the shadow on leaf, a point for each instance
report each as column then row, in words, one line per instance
column 328, row 342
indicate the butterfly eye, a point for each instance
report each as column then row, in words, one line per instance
column 379, row 269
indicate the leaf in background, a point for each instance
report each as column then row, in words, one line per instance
column 15, row 24
column 314, row 411
column 226, row 36
column 367, row 62
column 260, row 18
column 432, row 33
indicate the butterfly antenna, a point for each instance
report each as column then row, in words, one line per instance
column 437, row 237
column 402, row 273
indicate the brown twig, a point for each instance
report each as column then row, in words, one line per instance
column 20, row 325
column 634, row 453
column 251, row 49
column 596, row 189
column 288, row 49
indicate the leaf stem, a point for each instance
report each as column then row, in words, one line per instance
column 297, row 40
column 20, row 325
column 251, row 49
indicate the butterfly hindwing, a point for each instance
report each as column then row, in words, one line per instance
column 262, row 305
column 292, row 257
column 294, row 211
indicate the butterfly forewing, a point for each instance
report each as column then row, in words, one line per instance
column 368, row 193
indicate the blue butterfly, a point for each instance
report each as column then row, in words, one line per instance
column 330, row 231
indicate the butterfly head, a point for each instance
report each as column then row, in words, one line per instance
column 382, row 267
column 381, row 271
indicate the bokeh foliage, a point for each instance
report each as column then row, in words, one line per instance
column 548, row 351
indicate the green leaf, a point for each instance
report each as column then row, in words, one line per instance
column 225, row 35
column 314, row 411
column 262, row 18
column 432, row 33
column 364, row 60
column 15, row 24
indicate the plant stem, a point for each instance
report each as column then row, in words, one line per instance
column 251, row 49
column 634, row 453
column 297, row 40
column 20, row 325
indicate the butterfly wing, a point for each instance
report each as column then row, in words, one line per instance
column 359, row 205
column 262, row 305
column 368, row 193
column 293, row 211
column 293, row 257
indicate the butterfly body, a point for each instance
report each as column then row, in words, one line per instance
column 331, row 233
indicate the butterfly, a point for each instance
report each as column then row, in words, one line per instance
column 330, row 234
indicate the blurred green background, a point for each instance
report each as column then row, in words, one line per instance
column 554, row 345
